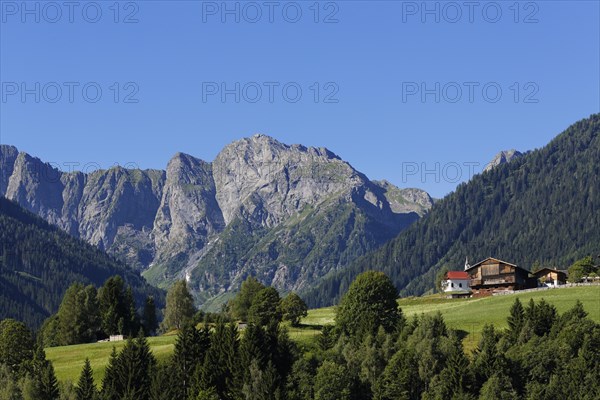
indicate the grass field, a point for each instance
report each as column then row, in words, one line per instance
column 68, row 360
column 469, row 315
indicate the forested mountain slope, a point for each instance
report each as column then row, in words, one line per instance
column 38, row 262
column 543, row 206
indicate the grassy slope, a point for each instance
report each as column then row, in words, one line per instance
column 68, row 360
column 468, row 315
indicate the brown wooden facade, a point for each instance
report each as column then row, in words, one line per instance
column 492, row 274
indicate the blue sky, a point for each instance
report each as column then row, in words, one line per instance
column 371, row 62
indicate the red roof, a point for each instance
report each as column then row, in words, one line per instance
column 457, row 275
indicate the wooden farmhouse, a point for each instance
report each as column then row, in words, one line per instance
column 493, row 275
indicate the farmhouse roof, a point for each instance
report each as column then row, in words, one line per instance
column 495, row 259
column 547, row 269
column 457, row 275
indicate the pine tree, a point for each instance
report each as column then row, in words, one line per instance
column 86, row 389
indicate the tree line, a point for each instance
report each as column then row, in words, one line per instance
column 373, row 351
column 87, row 314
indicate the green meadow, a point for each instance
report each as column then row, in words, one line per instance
column 467, row 315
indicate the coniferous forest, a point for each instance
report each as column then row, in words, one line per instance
column 372, row 352
column 541, row 208
column 38, row 262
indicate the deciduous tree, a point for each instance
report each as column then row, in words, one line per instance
column 180, row 306
column 369, row 303
column 240, row 305
column 293, row 308
column 265, row 307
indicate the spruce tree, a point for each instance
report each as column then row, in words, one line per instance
column 221, row 365
column 134, row 368
column 115, row 307
column 164, row 384
column 133, row 320
column 190, row 349
column 400, row 379
column 86, row 389
column 498, row 387
column 263, row 383
column 45, row 385
column 149, row 319
column 16, row 345
column 110, row 391
column 253, row 348
column 487, row 359
column 516, row 320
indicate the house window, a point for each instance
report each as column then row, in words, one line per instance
column 460, row 284
column 452, row 284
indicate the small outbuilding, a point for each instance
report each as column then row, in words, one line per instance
column 457, row 282
column 551, row 277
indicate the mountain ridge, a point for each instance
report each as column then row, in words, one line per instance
column 178, row 222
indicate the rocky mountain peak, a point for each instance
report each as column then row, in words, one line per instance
column 503, row 157
column 288, row 214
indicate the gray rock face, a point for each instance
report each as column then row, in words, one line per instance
column 189, row 215
column 38, row 186
column 503, row 157
column 8, row 156
column 270, row 181
column 287, row 214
